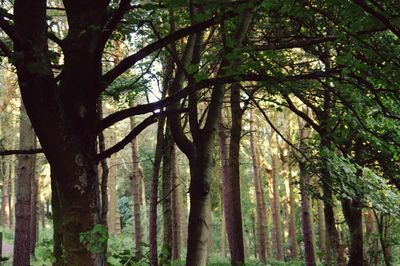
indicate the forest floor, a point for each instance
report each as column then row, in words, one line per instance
column 7, row 249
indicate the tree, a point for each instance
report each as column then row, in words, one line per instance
column 68, row 131
column 260, row 195
column 25, row 178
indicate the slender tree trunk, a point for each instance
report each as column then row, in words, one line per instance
column 154, row 193
column 103, row 183
column 322, row 230
column 176, row 207
column 34, row 209
column 114, row 226
column 166, row 198
column 385, row 238
column 224, row 155
column 306, row 208
column 276, row 200
column 231, row 188
column 137, row 175
column 5, row 208
column 371, row 239
column 260, row 196
column 292, row 216
column 26, row 172
column 11, row 192
column 42, row 214
column 223, row 234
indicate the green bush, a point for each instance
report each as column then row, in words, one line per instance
column 44, row 249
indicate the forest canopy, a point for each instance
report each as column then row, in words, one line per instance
column 200, row 132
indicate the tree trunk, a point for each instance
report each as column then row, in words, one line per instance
column 292, row 216
column 352, row 212
column 371, row 239
column 137, row 175
column 260, row 196
column 11, row 192
column 114, row 226
column 103, row 182
column 306, row 209
column 276, row 200
column 57, row 226
column 63, row 113
column 322, row 230
column 34, row 208
column 385, row 237
column 5, row 208
column 166, row 198
column 198, row 229
column 26, row 173
column 176, row 207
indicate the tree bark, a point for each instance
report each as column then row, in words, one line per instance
column 276, row 199
column 292, row 216
column 137, row 175
column 371, row 239
column 67, row 131
column 306, row 208
column 176, row 207
column 352, row 212
column 114, row 226
column 34, row 208
column 260, row 196
column 166, row 198
column 5, row 208
column 25, row 176
column 322, row 230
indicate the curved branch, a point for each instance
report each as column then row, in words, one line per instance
column 129, row 61
column 150, row 107
column 385, row 21
column 136, row 131
column 125, row 141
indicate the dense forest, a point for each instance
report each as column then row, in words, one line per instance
column 200, row 132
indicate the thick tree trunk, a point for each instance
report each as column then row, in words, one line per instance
column 63, row 114
column 353, row 215
column 57, row 226
column 137, row 175
column 176, row 207
column 26, row 173
column 306, row 208
column 260, row 196
column 198, row 231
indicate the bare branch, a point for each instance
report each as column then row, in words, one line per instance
column 18, row 152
